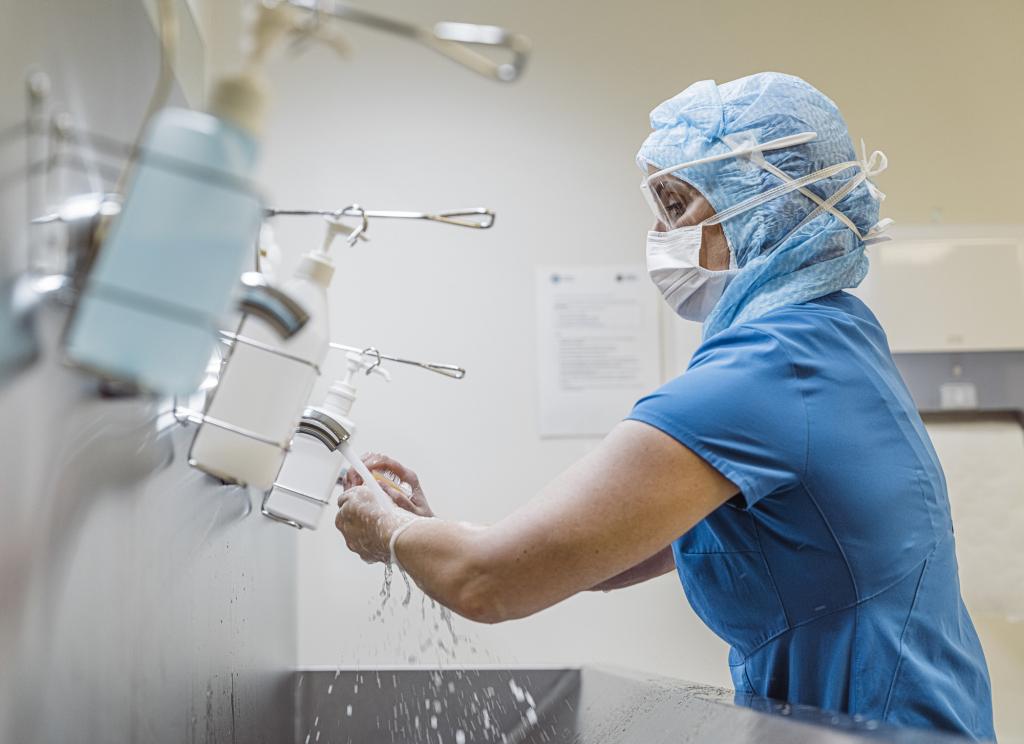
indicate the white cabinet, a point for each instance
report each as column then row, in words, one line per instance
column 949, row 289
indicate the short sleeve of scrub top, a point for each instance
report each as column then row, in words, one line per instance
column 738, row 406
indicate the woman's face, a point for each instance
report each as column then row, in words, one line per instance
column 684, row 205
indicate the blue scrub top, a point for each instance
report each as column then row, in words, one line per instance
column 832, row 575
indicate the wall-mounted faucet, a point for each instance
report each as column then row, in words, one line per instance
column 85, row 219
column 277, row 309
column 22, row 296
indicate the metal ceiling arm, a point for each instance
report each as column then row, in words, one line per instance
column 456, row 41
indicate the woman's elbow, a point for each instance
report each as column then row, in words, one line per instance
column 484, row 593
column 479, row 598
column 481, row 588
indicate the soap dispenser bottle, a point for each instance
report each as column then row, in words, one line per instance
column 172, row 259
column 319, row 451
column 168, row 267
column 264, row 385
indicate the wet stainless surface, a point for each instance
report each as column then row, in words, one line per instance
column 588, row 706
column 140, row 601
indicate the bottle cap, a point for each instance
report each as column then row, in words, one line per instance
column 316, row 266
column 241, row 100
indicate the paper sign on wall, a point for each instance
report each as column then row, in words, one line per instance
column 598, row 346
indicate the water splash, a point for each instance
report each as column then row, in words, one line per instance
column 345, row 448
column 408, row 588
column 463, row 710
column 385, row 589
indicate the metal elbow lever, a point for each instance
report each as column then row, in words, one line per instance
column 458, row 42
column 86, row 217
column 29, row 291
column 455, row 41
column 21, row 297
column 282, row 313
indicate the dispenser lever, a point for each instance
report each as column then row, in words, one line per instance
column 448, row 370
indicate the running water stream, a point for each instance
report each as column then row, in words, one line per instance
column 415, row 720
column 370, row 482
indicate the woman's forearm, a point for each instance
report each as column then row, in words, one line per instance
column 459, row 565
column 588, row 526
column 448, row 561
column 487, row 573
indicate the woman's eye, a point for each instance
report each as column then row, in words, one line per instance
column 676, row 207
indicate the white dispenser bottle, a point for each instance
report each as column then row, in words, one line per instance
column 306, row 481
column 264, row 392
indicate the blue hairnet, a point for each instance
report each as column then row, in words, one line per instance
column 821, row 257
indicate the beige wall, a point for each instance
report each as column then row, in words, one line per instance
column 937, row 85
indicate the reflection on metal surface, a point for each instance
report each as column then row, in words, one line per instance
column 271, row 305
column 135, row 594
column 478, row 218
column 447, row 370
column 140, row 601
column 458, row 42
column 323, row 427
column 81, row 216
column 424, row 705
column 19, row 347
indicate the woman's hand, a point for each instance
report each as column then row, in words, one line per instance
column 414, row 501
column 367, row 521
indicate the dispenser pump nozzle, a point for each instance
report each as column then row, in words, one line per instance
column 342, row 394
column 317, row 264
column 241, row 98
column 364, row 363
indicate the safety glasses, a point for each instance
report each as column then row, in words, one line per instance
column 669, row 198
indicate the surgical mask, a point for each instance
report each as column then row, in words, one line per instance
column 673, row 263
column 673, row 257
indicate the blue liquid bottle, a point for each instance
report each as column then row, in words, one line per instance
column 169, row 267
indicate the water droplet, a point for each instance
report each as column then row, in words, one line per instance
column 517, row 691
column 348, row 711
column 433, row 722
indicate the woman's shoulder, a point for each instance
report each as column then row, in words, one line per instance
column 832, row 330
column 839, row 317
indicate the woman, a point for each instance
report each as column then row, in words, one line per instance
column 786, row 476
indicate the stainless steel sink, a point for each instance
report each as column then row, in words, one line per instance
column 551, row 706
